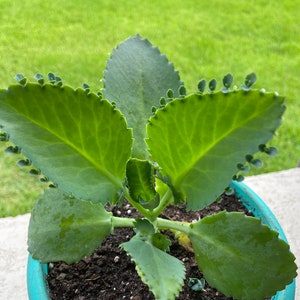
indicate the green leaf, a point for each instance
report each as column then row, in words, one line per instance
column 161, row 241
column 250, row 80
column 241, row 257
column 198, row 140
column 141, row 182
column 65, row 228
column 196, row 284
column 137, row 75
column 201, row 85
column 227, row 80
column 78, row 141
column 146, row 232
column 144, row 229
column 163, row 273
column 212, row 84
column 21, row 79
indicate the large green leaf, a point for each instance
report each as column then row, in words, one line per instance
column 198, row 140
column 65, row 228
column 141, row 182
column 241, row 257
column 136, row 77
column 163, row 273
column 77, row 140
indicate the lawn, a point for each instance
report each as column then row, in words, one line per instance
column 204, row 39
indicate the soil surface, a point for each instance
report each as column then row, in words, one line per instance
column 109, row 274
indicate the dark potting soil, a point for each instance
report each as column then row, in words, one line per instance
column 109, row 274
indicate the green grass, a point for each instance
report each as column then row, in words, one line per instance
column 204, row 39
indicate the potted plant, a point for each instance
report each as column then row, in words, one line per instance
column 143, row 139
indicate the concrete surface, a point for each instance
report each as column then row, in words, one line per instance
column 280, row 190
column 13, row 257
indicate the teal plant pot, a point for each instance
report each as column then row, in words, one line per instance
column 36, row 272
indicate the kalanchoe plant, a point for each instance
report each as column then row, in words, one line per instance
column 143, row 139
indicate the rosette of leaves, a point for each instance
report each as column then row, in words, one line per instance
column 146, row 141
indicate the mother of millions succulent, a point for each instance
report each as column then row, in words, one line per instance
column 145, row 140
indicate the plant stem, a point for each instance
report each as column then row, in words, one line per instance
column 160, row 223
column 164, row 202
column 145, row 212
column 151, row 215
column 174, row 225
column 122, row 222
